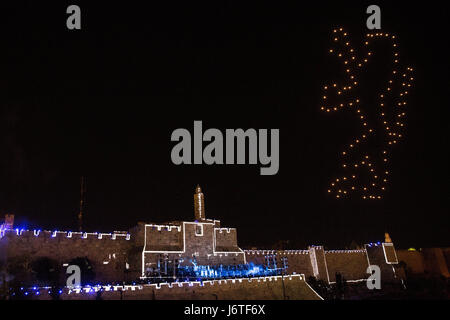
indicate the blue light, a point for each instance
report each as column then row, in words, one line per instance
column 232, row 271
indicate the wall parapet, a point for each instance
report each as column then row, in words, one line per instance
column 164, row 227
column 276, row 252
column 345, row 251
column 65, row 234
column 169, row 285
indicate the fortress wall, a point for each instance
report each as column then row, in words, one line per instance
column 351, row 264
column 318, row 263
column 446, row 252
column 298, row 261
column 107, row 253
column 224, row 258
column 413, row 259
column 199, row 245
column 265, row 288
column 168, row 238
column 435, row 262
column 186, row 242
column 257, row 256
column 376, row 256
column 226, row 239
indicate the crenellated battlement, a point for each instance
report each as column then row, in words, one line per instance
column 63, row 234
column 363, row 251
column 162, row 227
column 276, row 252
column 161, row 250
column 227, row 230
column 260, row 288
column 257, row 287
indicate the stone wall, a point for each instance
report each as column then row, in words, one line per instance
column 435, row 262
column 429, row 261
column 298, row 261
column 265, row 288
column 351, row 264
column 226, row 239
column 322, row 264
column 201, row 243
column 164, row 238
column 413, row 260
column 118, row 257
column 107, row 253
column 376, row 256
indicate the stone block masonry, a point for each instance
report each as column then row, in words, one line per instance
column 106, row 253
column 151, row 249
column 117, row 257
column 265, row 288
column 325, row 264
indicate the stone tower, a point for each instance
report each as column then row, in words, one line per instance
column 9, row 222
column 199, row 204
column 387, row 238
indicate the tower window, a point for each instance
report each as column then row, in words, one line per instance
column 199, row 230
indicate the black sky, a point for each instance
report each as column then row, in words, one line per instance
column 103, row 101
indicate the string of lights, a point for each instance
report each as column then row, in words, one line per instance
column 88, row 289
column 366, row 174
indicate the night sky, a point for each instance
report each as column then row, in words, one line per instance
column 103, row 101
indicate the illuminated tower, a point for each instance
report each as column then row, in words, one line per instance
column 387, row 238
column 199, row 204
column 9, row 222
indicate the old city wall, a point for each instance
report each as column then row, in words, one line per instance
column 226, row 239
column 168, row 238
column 413, row 260
column 187, row 244
column 107, row 253
column 432, row 261
column 298, row 260
column 199, row 245
column 265, row 288
column 351, row 264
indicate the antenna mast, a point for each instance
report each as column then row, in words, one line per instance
column 82, row 200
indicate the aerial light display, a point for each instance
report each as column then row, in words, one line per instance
column 364, row 168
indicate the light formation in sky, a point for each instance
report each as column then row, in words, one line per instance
column 364, row 168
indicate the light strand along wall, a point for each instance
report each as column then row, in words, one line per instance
column 322, row 264
column 264, row 288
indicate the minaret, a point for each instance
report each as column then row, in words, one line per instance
column 199, row 204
